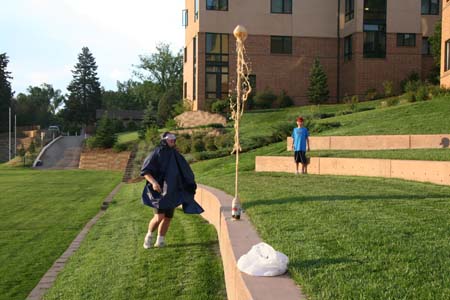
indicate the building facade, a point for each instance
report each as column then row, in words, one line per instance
column 360, row 44
column 445, row 45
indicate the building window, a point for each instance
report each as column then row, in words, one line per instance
column 184, row 18
column 348, row 48
column 185, row 90
column 406, row 39
column 195, row 10
column 281, row 6
column 194, row 75
column 447, row 55
column 217, row 56
column 185, row 54
column 430, row 7
column 281, row 44
column 374, row 28
column 426, row 48
column 217, row 5
column 349, row 10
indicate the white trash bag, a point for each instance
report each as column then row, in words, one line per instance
column 263, row 260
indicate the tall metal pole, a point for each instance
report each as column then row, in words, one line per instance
column 15, row 135
column 9, row 135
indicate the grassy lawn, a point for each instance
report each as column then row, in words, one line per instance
column 41, row 213
column 125, row 137
column 347, row 237
column 428, row 117
column 112, row 264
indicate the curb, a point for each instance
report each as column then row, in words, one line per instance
column 49, row 278
column 45, row 149
column 235, row 239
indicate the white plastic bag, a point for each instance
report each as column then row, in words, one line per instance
column 263, row 260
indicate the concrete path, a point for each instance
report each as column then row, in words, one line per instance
column 63, row 154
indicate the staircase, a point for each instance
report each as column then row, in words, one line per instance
column 128, row 174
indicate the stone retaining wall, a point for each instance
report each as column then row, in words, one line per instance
column 376, row 142
column 437, row 172
column 104, row 160
column 235, row 239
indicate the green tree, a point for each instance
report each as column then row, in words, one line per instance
column 6, row 93
column 435, row 47
column 85, row 95
column 39, row 105
column 162, row 68
column 318, row 84
column 149, row 121
column 105, row 137
column 166, row 106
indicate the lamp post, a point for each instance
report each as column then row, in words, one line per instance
column 9, row 135
column 243, row 89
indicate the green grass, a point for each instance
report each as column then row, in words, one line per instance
column 41, row 213
column 126, row 137
column 428, row 117
column 112, row 264
column 347, row 237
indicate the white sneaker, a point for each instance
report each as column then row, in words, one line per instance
column 147, row 242
column 160, row 243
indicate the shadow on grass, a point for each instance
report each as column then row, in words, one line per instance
column 192, row 245
column 362, row 198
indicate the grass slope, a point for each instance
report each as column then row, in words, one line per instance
column 347, row 237
column 112, row 264
column 41, row 213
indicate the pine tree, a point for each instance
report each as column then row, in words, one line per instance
column 318, row 86
column 105, row 136
column 85, row 91
column 6, row 92
column 150, row 120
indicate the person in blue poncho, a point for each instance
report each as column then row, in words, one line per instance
column 170, row 182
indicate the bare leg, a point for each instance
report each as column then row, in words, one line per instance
column 296, row 168
column 304, row 168
column 155, row 222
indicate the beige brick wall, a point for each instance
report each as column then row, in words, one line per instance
column 437, row 172
column 104, row 160
column 376, row 142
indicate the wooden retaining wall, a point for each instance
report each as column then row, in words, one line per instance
column 104, row 160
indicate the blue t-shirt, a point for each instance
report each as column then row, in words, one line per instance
column 300, row 135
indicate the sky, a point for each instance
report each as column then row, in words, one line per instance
column 43, row 38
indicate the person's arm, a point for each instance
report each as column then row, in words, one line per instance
column 155, row 185
column 307, row 143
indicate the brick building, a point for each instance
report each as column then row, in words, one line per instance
column 360, row 43
column 445, row 45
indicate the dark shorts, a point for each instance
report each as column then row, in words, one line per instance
column 168, row 213
column 300, row 157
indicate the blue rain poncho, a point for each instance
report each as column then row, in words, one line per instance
column 175, row 176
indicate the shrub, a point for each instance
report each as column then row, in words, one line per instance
column 352, row 103
column 119, row 147
column 392, row 101
column 208, row 141
column 371, row 94
column 197, row 145
column 283, row 100
column 264, row 99
column 319, row 127
column 32, row 147
column 117, row 125
column 224, row 141
column 171, row 124
column 422, row 93
column 412, row 77
column 388, row 87
column 152, row 135
column 220, row 106
column 281, row 131
column 184, row 143
column 105, row 136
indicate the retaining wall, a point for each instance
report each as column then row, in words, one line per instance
column 104, row 160
column 437, row 172
column 235, row 239
column 376, row 142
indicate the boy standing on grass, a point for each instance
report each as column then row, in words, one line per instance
column 300, row 136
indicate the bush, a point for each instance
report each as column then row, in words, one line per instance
column 388, row 87
column 117, row 125
column 208, row 141
column 371, row 94
column 220, row 106
column 264, row 99
column 412, row 77
column 281, row 131
column 392, row 101
column 152, row 135
column 224, row 141
column 197, row 145
column 105, row 136
column 32, row 147
column 422, row 93
column 119, row 147
column 184, row 143
column 318, row 84
column 283, row 100
column 319, row 127
column 171, row 124
column 352, row 103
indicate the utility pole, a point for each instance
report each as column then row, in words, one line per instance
column 9, row 135
column 15, row 135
